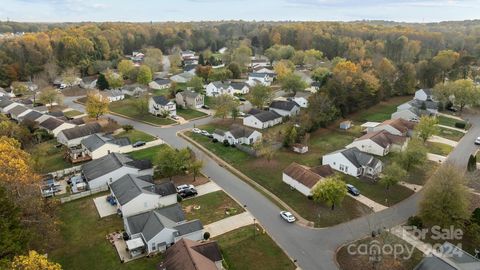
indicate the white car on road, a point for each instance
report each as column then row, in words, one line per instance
column 287, row 216
column 477, row 141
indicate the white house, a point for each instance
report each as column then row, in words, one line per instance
column 113, row 95
column 285, row 107
column 263, row 69
column 133, row 89
column 237, row 135
column 353, row 162
column 219, row 88
column 303, row 178
column 240, row 88
column 431, row 107
column 73, row 136
column 263, row 119
column 190, row 99
column 108, row 169
column 97, row 146
column 379, row 143
column 161, row 228
column 158, row 84
column 182, row 77
column 187, row 54
column 400, row 127
column 260, row 78
column 411, row 114
column 260, row 62
column 424, row 94
column 137, row 194
column 16, row 112
column 159, row 105
column 55, row 126
column 301, row 98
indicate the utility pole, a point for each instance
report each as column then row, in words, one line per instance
column 254, row 228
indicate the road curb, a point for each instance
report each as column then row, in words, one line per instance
column 301, row 221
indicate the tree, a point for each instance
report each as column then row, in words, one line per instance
column 144, row 75
column 153, row 59
column 126, row 67
column 141, row 104
column 235, row 69
column 414, row 155
column 70, row 76
column 331, row 190
column 465, row 92
column 127, row 128
column 283, row 68
column 265, row 148
column 312, row 56
column 241, row 55
column 102, row 82
column 320, row 112
column 201, row 59
column 33, row 261
column 96, row 105
column 446, row 199
column 196, row 83
column 260, row 95
column 19, row 89
column 392, row 174
column 223, row 105
column 445, row 60
column 321, row 75
column 171, row 162
column 472, row 163
column 234, row 112
column 292, row 83
column 291, row 136
column 195, row 166
column 49, row 96
column 114, row 80
column 426, row 127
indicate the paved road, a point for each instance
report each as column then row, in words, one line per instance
column 313, row 249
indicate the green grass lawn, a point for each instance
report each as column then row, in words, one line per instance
column 125, row 107
column 247, row 248
column 83, row 244
column 448, row 121
column 439, row 148
column 420, row 174
column 148, row 153
column 188, row 114
column 136, row 135
column 72, row 113
column 51, row 157
column 212, row 207
column 381, row 111
column 450, row 134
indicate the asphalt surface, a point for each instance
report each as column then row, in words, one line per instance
column 312, row 249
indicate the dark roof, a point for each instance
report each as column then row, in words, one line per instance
column 254, row 111
column 104, row 165
column 190, row 255
column 142, row 164
column 433, row 105
column 189, row 67
column 383, row 138
column 56, row 113
column 358, row 158
column 258, row 75
column 4, row 102
column 160, row 100
column 161, row 81
column 221, row 84
column 130, row 186
column 95, row 141
column 400, row 124
column 51, row 123
column 32, row 116
column 189, row 93
column 239, row 131
column 189, row 227
column 323, row 170
column 266, row 116
column 220, row 132
column 449, row 257
column 17, row 110
column 238, row 85
column 284, row 105
column 82, row 131
column 302, row 174
column 26, row 101
column 77, row 121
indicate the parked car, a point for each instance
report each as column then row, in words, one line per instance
column 242, row 99
column 477, row 141
column 287, row 216
column 452, row 109
column 189, row 192
column 206, row 133
column 138, row 144
column 205, row 107
column 181, row 188
column 353, row 190
column 242, row 114
column 196, row 130
column 174, row 117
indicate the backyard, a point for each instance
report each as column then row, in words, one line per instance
column 82, row 243
column 381, row 111
column 135, row 135
column 50, row 157
column 247, row 248
column 189, row 114
column 211, row 207
column 126, row 108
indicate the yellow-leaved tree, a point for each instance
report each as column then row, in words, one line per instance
column 33, row 261
column 96, row 105
column 14, row 163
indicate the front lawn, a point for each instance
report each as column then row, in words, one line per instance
column 450, row 134
column 420, row 174
column 448, row 121
column 136, row 135
column 82, row 244
column 72, row 113
column 148, row 153
column 126, row 108
column 50, row 157
column 211, row 207
column 438, row 148
column 381, row 111
column 188, row 114
column 250, row 248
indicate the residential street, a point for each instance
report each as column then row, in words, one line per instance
column 313, row 249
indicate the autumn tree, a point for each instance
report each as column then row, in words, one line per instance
column 33, row 261
column 392, row 174
column 466, row 93
column 96, row 105
column 49, row 96
column 331, row 190
column 265, row 148
column 196, row 83
column 312, row 57
column 426, row 127
column 126, row 67
column 413, row 156
column 283, row 68
column 260, row 95
column 445, row 60
column 223, row 105
column 171, row 162
column 114, row 80
column 153, row 59
column 292, row 83
column 195, row 167
column 141, row 104
column 144, row 75
column 19, row 89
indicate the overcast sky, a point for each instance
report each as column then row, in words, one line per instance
column 197, row 10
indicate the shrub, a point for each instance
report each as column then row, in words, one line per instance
column 214, row 140
column 460, row 125
column 472, row 163
column 206, row 235
column 127, row 128
column 226, row 143
column 415, row 221
column 179, row 198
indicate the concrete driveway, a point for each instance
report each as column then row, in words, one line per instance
column 104, row 208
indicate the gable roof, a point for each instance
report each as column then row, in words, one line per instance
column 238, row 85
column 449, row 257
column 189, row 227
column 104, row 165
column 130, row 186
column 258, row 75
column 433, row 105
column 400, row 124
column 51, row 123
column 161, row 100
column 266, row 116
column 95, row 141
column 17, row 110
column 428, row 91
column 32, row 116
column 189, row 255
column 220, row 84
column 239, row 131
column 161, row 81
column 383, row 138
column 189, row 94
column 302, row 174
column 284, row 105
column 303, row 94
column 82, row 131
column 358, row 158
column 4, row 102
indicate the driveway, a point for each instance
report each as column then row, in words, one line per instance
column 104, row 208
column 229, row 224
column 207, row 188
column 314, row 249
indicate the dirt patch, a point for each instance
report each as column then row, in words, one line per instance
column 74, row 91
column 263, row 163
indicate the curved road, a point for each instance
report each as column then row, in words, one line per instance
column 313, row 249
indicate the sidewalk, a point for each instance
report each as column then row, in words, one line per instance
column 436, row 158
column 411, row 239
column 415, row 188
column 437, row 139
column 207, row 188
column 451, row 116
column 376, row 207
column 453, row 128
column 229, row 224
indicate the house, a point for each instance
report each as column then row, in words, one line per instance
column 55, row 126
column 237, row 134
column 400, row 127
column 189, row 99
column 113, row 95
column 187, row 54
column 353, row 162
column 300, row 148
column 263, row 69
column 260, row 62
column 89, row 82
column 219, row 88
column 97, row 146
column 448, row 257
column 428, row 105
column 190, row 67
column 190, row 255
column 346, row 125
column 260, row 78
column 240, row 88
column 369, row 126
column 6, row 103
column 161, row 228
column 5, row 93
column 160, row 106
column 285, row 107
column 31, row 116
column 17, row 111
column 182, row 77
column 222, row 50
column 380, row 143
column 133, row 90
column 138, row 194
column 262, row 119
column 303, row 178
column 137, row 56
column 412, row 114
column 425, row 94
column 73, row 136
column 62, row 83
column 108, row 169
column 301, row 98
column 159, row 83
column 314, row 87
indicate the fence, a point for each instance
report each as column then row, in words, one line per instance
column 67, row 171
column 252, row 152
column 83, row 194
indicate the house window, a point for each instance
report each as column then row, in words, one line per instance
column 342, row 168
column 145, row 204
column 153, row 246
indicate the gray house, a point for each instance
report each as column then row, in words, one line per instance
column 189, row 99
column 73, row 136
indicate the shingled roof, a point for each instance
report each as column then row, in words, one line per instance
column 161, row 100
column 51, row 123
column 358, row 158
column 82, row 131
column 400, row 124
column 383, row 138
column 189, row 255
column 130, row 186
column 107, row 164
column 306, row 175
column 266, row 116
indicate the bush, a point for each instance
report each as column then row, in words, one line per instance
column 127, row 128
column 472, row 163
column 461, row 125
column 214, row 140
column 226, row 143
column 415, row 221
column 206, row 235
column 179, row 198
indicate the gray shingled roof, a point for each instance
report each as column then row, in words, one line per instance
column 220, row 84
column 266, row 116
column 4, row 102
column 189, row 227
column 104, row 165
column 82, row 131
column 51, row 123
column 358, row 158
column 189, row 93
column 284, row 105
column 258, row 75
column 130, row 186
column 161, row 81
column 32, row 116
column 238, row 85
column 160, row 100
column 453, row 258
column 95, row 141
column 17, row 110
column 239, row 131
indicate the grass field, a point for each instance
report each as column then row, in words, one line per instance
column 188, row 114
column 247, row 248
column 439, row 148
column 136, row 135
column 125, row 107
column 211, row 207
column 448, row 121
column 450, row 134
column 148, row 153
column 51, row 157
column 420, row 174
column 83, row 244
column 72, row 113
column 381, row 111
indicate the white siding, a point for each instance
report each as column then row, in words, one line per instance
column 252, row 121
column 111, row 177
column 303, row 102
column 194, row 236
column 421, row 95
column 369, row 146
column 147, row 202
column 296, row 185
column 339, row 163
column 62, row 127
column 406, row 115
column 166, row 235
column 294, row 111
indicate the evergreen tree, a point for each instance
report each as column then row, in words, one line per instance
column 102, row 82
